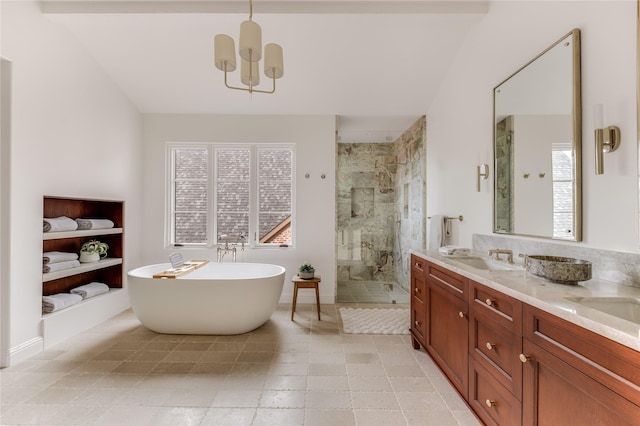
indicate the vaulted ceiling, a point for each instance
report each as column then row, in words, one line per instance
column 378, row 63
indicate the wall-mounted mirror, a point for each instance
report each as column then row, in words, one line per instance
column 537, row 146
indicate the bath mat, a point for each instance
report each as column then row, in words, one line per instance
column 375, row 320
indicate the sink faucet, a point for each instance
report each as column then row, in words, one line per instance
column 498, row 252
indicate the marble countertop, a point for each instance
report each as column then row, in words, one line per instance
column 552, row 297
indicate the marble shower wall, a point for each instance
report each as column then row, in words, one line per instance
column 381, row 193
column 411, row 190
column 366, row 197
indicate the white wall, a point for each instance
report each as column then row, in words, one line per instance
column 459, row 121
column 315, row 197
column 74, row 134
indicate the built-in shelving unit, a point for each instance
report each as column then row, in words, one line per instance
column 60, row 324
column 108, row 270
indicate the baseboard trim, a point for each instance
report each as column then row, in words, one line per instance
column 25, row 350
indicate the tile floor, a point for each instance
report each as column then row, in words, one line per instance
column 371, row 292
column 302, row 372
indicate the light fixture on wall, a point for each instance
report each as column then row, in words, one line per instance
column 482, row 174
column 250, row 50
column 607, row 138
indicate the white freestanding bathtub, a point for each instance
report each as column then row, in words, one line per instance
column 218, row 298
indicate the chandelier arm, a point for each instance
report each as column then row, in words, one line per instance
column 250, row 89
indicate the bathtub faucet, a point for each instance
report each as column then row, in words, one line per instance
column 224, row 249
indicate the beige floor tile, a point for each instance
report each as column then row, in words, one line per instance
column 329, row 399
column 183, row 416
column 30, row 414
column 430, row 418
column 128, row 416
column 374, row 401
column 286, row 383
column 229, row 417
column 236, row 398
column 327, row 369
column 328, row 383
column 316, row 417
column 370, row 383
column 135, row 367
column 282, row 399
column 55, row 396
column 380, row 417
column 278, row 417
column 411, row 384
column 304, row 372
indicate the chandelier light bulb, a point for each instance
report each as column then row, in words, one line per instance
column 250, row 41
column 224, row 52
column 250, row 51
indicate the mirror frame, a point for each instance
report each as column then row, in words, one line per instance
column 577, row 137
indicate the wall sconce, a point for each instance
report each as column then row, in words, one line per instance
column 607, row 139
column 483, row 173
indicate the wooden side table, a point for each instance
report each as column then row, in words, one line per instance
column 302, row 283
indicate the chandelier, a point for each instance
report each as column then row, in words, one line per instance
column 250, row 51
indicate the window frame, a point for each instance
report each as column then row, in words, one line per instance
column 212, row 148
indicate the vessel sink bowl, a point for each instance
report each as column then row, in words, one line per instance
column 563, row 270
column 485, row 264
column 626, row 308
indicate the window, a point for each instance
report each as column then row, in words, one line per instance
column 239, row 193
column 563, row 183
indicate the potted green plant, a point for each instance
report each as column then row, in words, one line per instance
column 306, row 271
column 92, row 251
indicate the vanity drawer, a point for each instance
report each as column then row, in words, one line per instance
column 503, row 309
column 448, row 280
column 491, row 401
column 418, row 264
column 418, row 288
column 418, row 318
column 497, row 349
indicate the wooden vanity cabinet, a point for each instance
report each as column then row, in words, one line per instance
column 418, row 293
column 447, row 324
column 516, row 364
column 575, row 376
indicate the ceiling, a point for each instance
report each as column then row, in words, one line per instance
column 377, row 64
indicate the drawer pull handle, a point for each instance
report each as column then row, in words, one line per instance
column 490, row 346
column 417, row 323
column 523, row 358
column 490, row 403
column 417, row 265
column 417, row 290
column 490, row 302
column 462, row 314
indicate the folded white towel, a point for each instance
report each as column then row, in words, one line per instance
column 94, row 223
column 60, row 266
column 58, row 224
column 58, row 256
column 90, row 290
column 59, row 301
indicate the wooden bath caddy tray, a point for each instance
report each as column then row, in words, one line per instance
column 183, row 269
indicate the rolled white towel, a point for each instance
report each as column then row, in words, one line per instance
column 59, row 301
column 90, row 290
column 94, row 223
column 60, row 266
column 58, row 256
column 58, row 224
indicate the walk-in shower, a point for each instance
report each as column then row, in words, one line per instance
column 380, row 216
